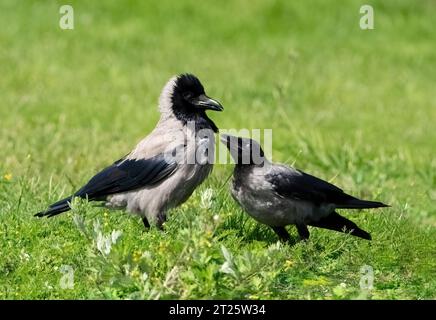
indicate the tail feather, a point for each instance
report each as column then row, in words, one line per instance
column 360, row 204
column 56, row 208
column 338, row 223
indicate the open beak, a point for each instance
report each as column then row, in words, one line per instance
column 206, row 103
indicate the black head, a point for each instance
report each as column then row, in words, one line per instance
column 189, row 100
column 244, row 151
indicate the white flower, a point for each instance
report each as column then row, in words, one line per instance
column 104, row 243
column 115, row 235
column 126, row 268
column 25, row 256
column 206, row 198
column 144, row 276
column 228, row 266
column 146, row 255
column 97, row 226
column 275, row 246
column 48, row 286
column 80, row 223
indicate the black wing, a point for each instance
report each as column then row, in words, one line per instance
column 122, row 176
column 127, row 175
column 299, row 185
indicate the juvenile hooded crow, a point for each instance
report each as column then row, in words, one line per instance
column 164, row 168
column 278, row 195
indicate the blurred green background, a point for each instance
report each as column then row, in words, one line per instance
column 355, row 106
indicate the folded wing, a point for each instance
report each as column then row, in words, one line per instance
column 298, row 185
column 122, row 176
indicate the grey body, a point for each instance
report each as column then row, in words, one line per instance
column 278, row 195
column 152, row 202
column 256, row 195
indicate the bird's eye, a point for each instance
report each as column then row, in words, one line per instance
column 188, row 95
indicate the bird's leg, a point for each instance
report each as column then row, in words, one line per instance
column 303, row 232
column 161, row 218
column 282, row 234
column 146, row 224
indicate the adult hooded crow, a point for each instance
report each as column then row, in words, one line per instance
column 164, row 168
column 278, row 195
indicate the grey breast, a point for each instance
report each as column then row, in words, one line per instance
column 175, row 190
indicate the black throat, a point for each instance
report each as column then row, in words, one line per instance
column 240, row 175
column 200, row 118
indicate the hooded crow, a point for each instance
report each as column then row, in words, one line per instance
column 164, row 168
column 278, row 195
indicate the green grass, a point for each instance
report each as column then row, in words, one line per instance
column 355, row 107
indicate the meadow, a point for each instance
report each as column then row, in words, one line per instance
column 355, row 107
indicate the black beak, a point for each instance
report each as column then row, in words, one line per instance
column 206, row 103
column 232, row 143
column 227, row 141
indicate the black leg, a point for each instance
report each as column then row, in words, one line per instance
column 303, row 232
column 282, row 234
column 146, row 224
column 161, row 218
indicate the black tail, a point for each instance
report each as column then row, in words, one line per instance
column 360, row 204
column 338, row 223
column 56, row 208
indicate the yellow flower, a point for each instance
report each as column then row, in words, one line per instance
column 205, row 242
column 8, row 176
column 320, row 281
column 288, row 264
column 135, row 273
column 162, row 247
column 136, row 256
